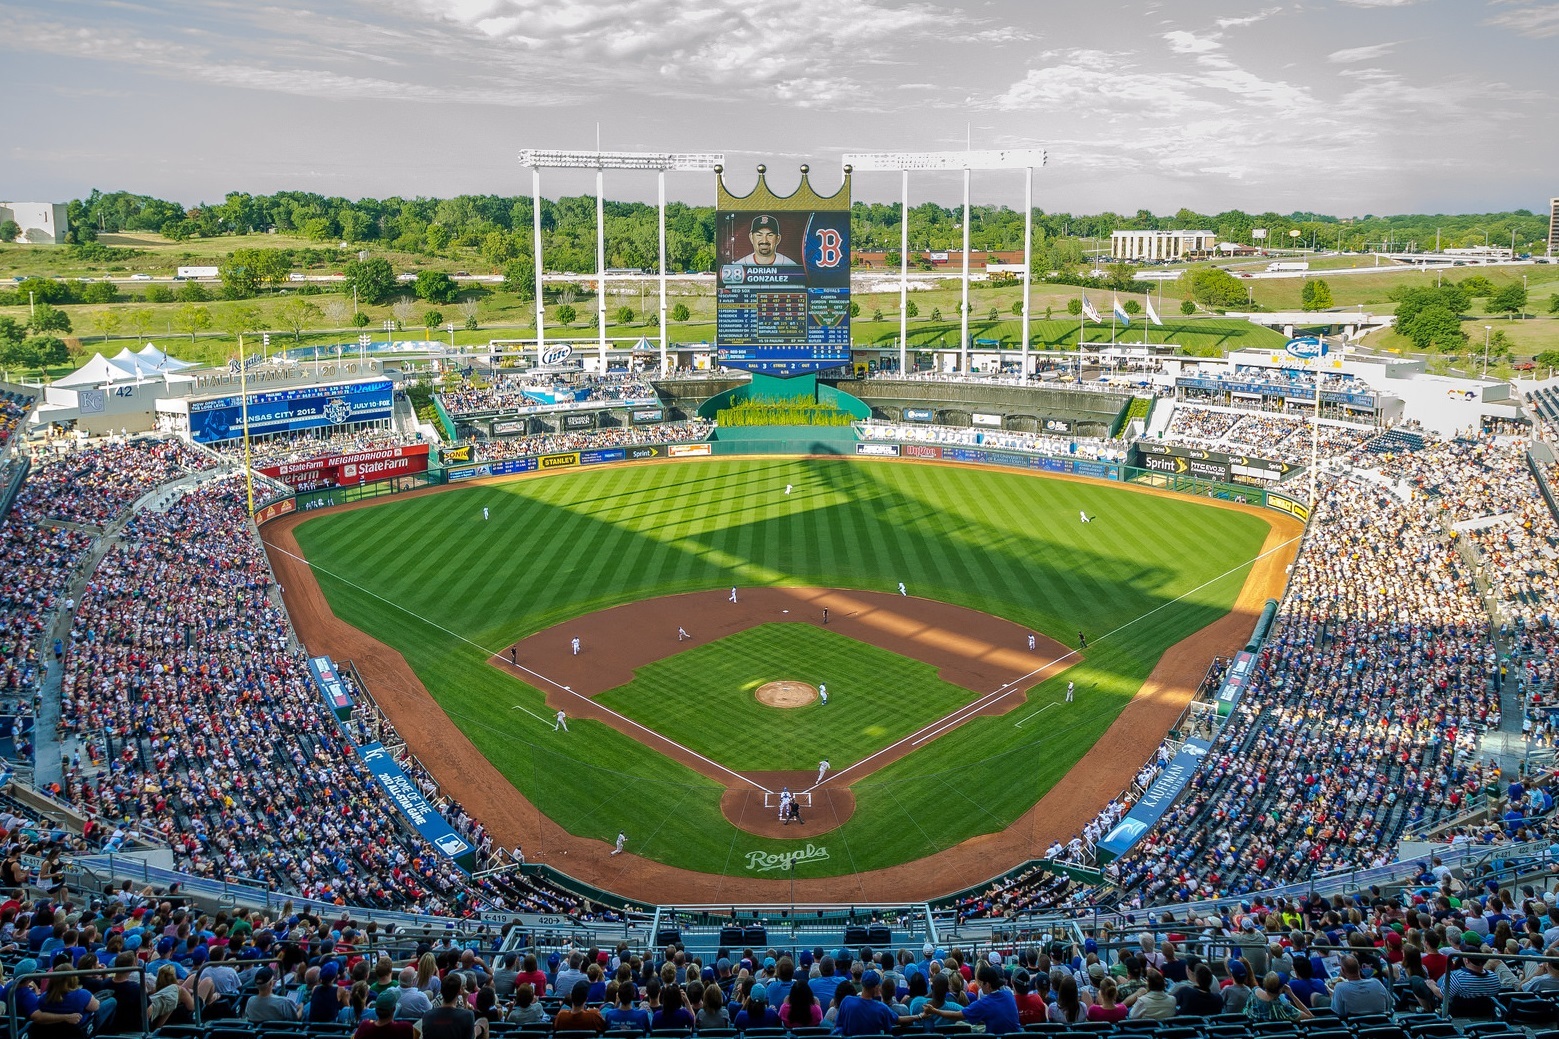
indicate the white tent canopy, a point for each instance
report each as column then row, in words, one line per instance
column 126, row 366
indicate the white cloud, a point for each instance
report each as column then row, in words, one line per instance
column 1534, row 20
column 1351, row 55
column 1250, row 19
column 1379, row 3
column 1182, row 42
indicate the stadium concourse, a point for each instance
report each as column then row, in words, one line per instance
column 175, row 713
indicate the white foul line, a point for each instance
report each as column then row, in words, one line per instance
column 1034, row 714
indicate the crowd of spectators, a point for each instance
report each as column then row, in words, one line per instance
column 13, row 409
column 1267, row 434
column 1095, row 448
column 520, row 391
column 616, row 436
column 94, row 484
column 180, row 670
column 299, row 447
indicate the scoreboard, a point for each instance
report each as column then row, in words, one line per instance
column 782, row 303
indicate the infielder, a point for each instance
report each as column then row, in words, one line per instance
column 622, row 839
column 682, row 634
column 822, row 693
column 1031, row 643
column 733, row 594
column 1070, row 688
column 822, row 769
column 575, row 644
column 561, row 723
column 901, row 589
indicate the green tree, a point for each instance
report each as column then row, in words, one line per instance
column 431, row 319
column 1212, row 287
column 159, row 294
column 360, row 320
column 1548, row 358
column 1477, row 286
column 911, row 309
column 192, row 292
column 241, row 320
column 45, row 318
column 855, row 309
column 1187, row 307
column 1553, row 303
column 1017, row 308
column 438, row 237
column 99, row 292
column 139, row 321
column 567, row 314
column 622, row 315
column 240, row 274
column 1131, row 306
column 519, row 277
column 107, row 322
column 497, row 248
column 1048, row 311
column 679, row 311
column 1434, row 327
column 877, row 315
column 10, row 231
column 296, row 314
column 1316, row 295
column 1510, row 300
column 373, row 280
column 936, row 313
column 1074, row 307
column 436, row 287
column 47, row 351
column 43, row 290
column 192, row 318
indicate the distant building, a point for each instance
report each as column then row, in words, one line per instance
column 42, row 223
column 1553, row 226
column 1161, row 245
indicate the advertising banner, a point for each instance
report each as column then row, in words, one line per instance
column 502, row 468
column 979, row 419
column 1208, row 465
column 1234, row 682
column 643, row 416
column 1298, row 394
column 919, row 415
column 919, row 451
column 607, row 454
column 688, row 450
column 782, row 296
column 510, row 427
column 880, row 450
column 283, row 411
column 558, row 461
column 1058, row 425
column 643, row 451
column 450, row 455
column 275, row 510
column 357, row 467
column 580, row 421
column 1160, row 796
column 421, row 815
column 337, row 700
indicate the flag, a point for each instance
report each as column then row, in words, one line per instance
column 1120, row 313
column 1089, row 311
column 1153, row 314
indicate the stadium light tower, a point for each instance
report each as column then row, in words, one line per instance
column 659, row 162
column 1008, row 159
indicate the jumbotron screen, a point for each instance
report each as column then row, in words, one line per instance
column 782, row 302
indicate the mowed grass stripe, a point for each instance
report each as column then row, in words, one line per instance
column 1006, row 543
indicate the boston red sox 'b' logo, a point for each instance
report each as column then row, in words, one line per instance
column 829, row 251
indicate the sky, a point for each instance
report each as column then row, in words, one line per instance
column 1334, row 106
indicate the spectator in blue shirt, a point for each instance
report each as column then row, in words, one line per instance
column 867, row 1014
column 996, row 1009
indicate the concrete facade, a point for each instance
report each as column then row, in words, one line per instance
column 42, row 223
column 1161, row 245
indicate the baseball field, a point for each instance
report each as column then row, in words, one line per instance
column 943, row 728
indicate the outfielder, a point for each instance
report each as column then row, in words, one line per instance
column 901, row 589
column 575, row 644
column 622, row 839
column 733, row 594
column 484, row 512
column 822, row 693
column 561, row 723
column 682, row 634
column 1082, row 516
column 1070, row 688
column 1031, row 643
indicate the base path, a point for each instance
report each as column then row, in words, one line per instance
column 1105, row 770
column 976, row 651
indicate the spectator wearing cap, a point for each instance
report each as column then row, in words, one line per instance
column 327, row 998
column 867, row 1014
column 266, row 1005
column 996, row 1008
column 1356, row 995
column 164, row 958
column 381, row 1024
column 755, row 1011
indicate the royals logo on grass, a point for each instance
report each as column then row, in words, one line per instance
column 762, row 861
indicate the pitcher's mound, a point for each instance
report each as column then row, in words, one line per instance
column 786, row 694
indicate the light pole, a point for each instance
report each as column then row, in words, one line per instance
column 1486, row 330
column 451, row 328
column 362, row 346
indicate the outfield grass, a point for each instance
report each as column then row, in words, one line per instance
column 426, row 576
column 704, row 698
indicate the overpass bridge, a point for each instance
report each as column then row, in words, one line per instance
column 1351, row 324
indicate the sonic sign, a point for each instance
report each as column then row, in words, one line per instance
column 782, row 302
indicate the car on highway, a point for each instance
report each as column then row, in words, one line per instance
column 140, row 277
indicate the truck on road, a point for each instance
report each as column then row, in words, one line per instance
column 184, row 273
column 1280, row 266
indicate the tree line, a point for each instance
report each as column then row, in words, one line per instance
column 496, row 229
